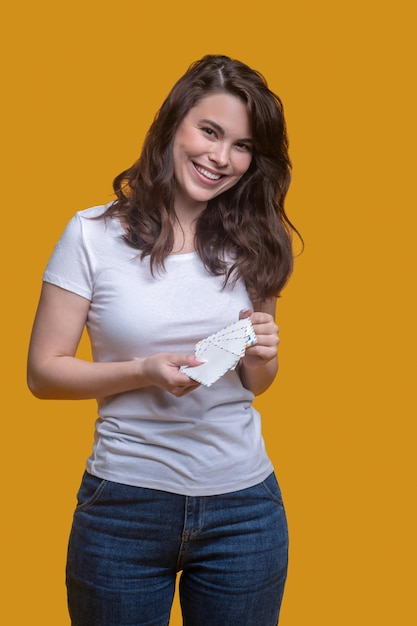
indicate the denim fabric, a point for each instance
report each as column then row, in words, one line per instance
column 128, row 543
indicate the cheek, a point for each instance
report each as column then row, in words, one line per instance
column 243, row 163
column 188, row 142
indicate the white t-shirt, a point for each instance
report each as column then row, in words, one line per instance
column 205, row 443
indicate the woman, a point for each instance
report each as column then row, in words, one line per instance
column 178, row 479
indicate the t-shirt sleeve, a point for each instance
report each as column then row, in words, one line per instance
column 70, row 266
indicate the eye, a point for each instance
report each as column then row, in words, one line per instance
column 209, row 131
column 245, row 147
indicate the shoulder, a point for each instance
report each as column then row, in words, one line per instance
column 92, row 222
column 87, row 226
column 93, row 212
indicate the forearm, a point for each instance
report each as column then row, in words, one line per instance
column 258, row 379
column 70, row 378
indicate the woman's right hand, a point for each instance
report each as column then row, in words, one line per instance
column 162, row 370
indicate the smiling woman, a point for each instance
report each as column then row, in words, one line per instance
column 262, row 251
column 179, row 479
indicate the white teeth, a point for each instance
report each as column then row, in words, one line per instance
column 206, row 173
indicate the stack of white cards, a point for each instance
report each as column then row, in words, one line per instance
column 221, row 352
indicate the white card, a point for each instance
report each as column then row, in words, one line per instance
column 221, row 352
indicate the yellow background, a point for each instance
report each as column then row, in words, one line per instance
column 81, row 83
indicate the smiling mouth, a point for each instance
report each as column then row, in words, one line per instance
column 206, row 173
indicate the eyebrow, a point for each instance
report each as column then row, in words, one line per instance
column 221, row 130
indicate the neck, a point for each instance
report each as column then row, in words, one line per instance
column 186, row 209
column 184, row 233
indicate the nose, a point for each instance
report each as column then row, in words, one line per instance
column 220, row 154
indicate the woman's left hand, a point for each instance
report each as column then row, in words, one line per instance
column 265, row 350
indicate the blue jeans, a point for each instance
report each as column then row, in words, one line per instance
column 128, row 543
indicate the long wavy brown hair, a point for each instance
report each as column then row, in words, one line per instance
column 246, row 223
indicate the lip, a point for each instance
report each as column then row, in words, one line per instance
column 200, row 169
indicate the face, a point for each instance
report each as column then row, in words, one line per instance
column 212, row 150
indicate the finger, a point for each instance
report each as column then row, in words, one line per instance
column 265, row 341
column 182, row 391
column 244, row 313
column 189, row 360
column 265, row 326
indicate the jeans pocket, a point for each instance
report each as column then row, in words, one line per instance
column 89, row 491
column 272, row 489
